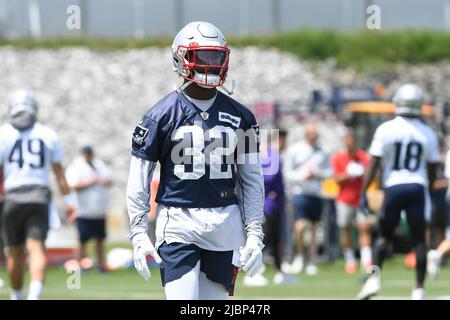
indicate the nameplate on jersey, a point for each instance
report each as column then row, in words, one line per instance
column 226, row 117
column 139, row 134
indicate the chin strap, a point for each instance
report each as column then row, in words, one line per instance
column 184, row 85
column 229, row 91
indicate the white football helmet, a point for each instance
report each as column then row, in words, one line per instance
column 23, row 108
column 408, row 100
column 201, row 54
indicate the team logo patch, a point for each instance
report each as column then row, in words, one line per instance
column 256, row 133
column 226, row 117
column 139, row 134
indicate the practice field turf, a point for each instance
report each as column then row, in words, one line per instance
column 330, row 283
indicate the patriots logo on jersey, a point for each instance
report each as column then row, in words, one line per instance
column 139, row 134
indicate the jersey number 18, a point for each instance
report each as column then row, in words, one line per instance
column 412, row 154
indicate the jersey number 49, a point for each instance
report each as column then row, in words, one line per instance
column 28, row 152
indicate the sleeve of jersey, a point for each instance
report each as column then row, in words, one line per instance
column 138, row 194
column 57, row 152
column 447, row 165
column 250, row 194
column 376, row 147
column 434, row 155
column 250, row 183
column 3, row 144
column 2, row 152
column 145, row 140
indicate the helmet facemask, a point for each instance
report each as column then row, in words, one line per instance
column 207, row 66
column 22, row 117
column 23, row 109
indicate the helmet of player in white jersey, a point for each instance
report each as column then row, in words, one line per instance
column 408, row 100
column 201, row 54
column 23, row 109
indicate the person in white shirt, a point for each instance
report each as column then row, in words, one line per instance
column 28, row 152
column 91, row 179
column 307, row 164
column 407, row 151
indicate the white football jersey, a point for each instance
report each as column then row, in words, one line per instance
column 405, row 146
column 27, row 156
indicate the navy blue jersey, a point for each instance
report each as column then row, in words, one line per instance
column 197, row 150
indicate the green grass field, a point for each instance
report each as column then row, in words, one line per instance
column 330, row 283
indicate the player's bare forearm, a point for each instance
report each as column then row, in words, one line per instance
column 61, row 179
column 84, row 185
column 106, row 182
column 431, row 172
column 374, row 164
column 440, row 184
column 341, row 178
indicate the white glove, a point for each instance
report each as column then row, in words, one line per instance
column 251, row 256
column 142, row 248
column 355, row 169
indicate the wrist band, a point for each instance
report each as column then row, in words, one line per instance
column 69, row 199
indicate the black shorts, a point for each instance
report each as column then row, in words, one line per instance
column 21, row 221
column 307, row 207
column 91, row 229
column 409, row 197
column 180, row 258
column 439, row 209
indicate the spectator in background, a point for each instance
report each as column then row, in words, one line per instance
column 306, row 165
column 90, row 179
column 2, row 255
column 434, row 257
column 273, row 207
column 348, row 167
column 438, row 221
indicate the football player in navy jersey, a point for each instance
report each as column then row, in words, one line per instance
column 211, row 192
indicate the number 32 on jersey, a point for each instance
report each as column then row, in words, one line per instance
column 215, row 150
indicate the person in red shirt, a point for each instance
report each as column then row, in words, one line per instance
column 348, row 167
